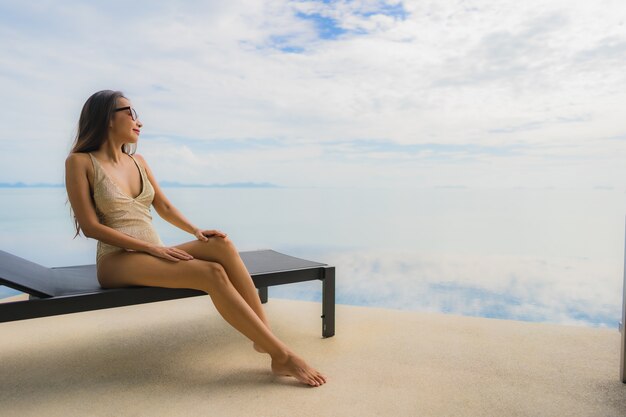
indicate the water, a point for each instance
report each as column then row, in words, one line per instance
column 526, row 254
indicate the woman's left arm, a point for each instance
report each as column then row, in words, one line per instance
column 171, row 214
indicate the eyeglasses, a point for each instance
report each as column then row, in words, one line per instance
column 133, row 113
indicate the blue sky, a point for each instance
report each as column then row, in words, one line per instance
column 321, row 93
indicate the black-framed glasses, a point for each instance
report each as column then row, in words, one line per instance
column 133, row 112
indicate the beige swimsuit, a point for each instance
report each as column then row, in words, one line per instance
column 121, row 212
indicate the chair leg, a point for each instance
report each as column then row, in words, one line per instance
column 328, row 302
column 263, row 294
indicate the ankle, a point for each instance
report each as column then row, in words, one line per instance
column 281, row 355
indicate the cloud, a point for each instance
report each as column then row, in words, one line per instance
column 309, row 75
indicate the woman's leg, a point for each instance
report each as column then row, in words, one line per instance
column 224, row 252
column 135, row 268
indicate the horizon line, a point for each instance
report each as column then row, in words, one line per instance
column 167, row 184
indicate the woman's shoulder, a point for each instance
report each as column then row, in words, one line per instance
column 77, row 159
column 79, row 163
column 141, row 160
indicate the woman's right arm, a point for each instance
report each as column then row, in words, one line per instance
column 79, row 195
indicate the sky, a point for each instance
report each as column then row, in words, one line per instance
column 327, row 93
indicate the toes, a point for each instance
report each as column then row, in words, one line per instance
column 301, row 372
column 318, row 379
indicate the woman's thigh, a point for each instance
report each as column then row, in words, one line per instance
column 216, row 249
column 123, row 269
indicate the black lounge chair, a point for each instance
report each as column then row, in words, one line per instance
column 72, row 289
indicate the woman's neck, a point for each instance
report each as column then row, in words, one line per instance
column 111, row 152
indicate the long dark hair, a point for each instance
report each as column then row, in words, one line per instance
column 93, row 126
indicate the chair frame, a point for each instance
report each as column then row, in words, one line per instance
column 44, row 302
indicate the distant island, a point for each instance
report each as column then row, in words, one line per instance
column 35, row 185
column 165, row 184
column 226, row 185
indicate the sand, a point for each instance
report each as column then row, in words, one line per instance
column 180, row 358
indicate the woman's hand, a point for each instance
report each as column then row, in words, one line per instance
column 169, row 253
column 204, row 235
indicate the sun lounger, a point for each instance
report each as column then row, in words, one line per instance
column 72, row 289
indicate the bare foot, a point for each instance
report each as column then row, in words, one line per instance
column 296, row 367
column 258, row 348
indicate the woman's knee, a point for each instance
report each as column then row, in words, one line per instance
column 226, row 244
column 215, row 275
column 223, row 251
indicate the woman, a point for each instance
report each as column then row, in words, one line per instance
column 111, row 191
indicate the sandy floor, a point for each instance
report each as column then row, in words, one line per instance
column 180, row 358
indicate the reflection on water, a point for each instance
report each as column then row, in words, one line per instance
column 557, row 290
column 538, row 255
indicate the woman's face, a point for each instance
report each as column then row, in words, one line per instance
column 123, row 128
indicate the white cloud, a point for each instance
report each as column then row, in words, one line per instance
column 489, row 74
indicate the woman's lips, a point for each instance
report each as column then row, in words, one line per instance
column 136, row 130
